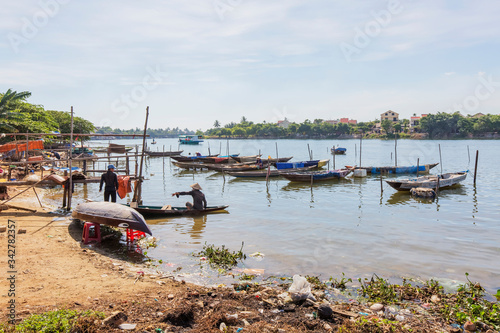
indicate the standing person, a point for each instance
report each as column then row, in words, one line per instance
column 199, row 201
column 111, row 180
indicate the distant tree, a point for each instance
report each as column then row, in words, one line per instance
column 216, row 124
column 397, row 127
column 386, row 125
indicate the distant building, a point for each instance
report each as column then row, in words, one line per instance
column 415, row 121
column 284, row 123
column 342, row 121
column 478, row 115
column 390, row 115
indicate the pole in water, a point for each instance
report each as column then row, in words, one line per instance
column 418, row 161
column 333, row 161
column 360, row 144
column 381, row 184
column 276, row 150
column 475, row 168
column 440, row 159
column 468, row 153
column 309, row 150
column 396, row 148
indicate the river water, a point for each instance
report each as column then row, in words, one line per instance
column 343, row 226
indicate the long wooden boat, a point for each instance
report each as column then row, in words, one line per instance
column 190, row 165
column 263, row 173
column 430, row 181
column 163, row 153
column 112, row 214
column 308, row 176
column 160, row 211
column 424, row 168
column 301, row 164
column 192, row 158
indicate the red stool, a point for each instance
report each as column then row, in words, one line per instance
column 86, row 236
column 134, row 234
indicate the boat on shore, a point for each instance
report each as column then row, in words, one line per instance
column 190, row 139
column 112, row 214
column 424, row 168
column 430, row 181
column 167, row 210
column 310, row 176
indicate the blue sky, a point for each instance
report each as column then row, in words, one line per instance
column 194, row 62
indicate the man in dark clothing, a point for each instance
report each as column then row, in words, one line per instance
column 111, row 180
column 199, row 201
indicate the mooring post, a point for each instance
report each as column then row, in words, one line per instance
column 381, row 184
column 127, row 162
column 418, row 161
column 475, row 167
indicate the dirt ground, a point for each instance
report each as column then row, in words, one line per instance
column 56, row 271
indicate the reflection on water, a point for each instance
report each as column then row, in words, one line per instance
column 298, row 226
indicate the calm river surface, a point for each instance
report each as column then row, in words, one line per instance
column 337, row 226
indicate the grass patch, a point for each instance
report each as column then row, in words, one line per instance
column 221, row 258
column 61, row 321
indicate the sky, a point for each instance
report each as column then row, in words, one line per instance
column 196, row 61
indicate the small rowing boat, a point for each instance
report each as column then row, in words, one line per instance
column 112, row 214
column 424, row 168
column 430, row 181
column 166, row 211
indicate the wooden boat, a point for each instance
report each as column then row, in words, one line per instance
column 190, row 165
column 112, row 214
column 309, row 176
column 424, row 168
column 192, row 158
column 338, row 151
column 190, row 139
column 301, row 164
column 241, row 159
column 153, row 142
column 263, row 173
column 163, row 153
column 430, row 181
column 166, row 211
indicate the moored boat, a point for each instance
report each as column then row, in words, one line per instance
column 430, row 181
column 310, row 176
column 165, row 211
column 301, row 164
column 424, row 168
column 112, row 214
column 163, row 153
column 190, row 139
column 338, row 150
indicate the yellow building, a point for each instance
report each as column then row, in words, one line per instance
column 390, row 115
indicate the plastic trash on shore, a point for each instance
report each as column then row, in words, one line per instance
column 300, row 290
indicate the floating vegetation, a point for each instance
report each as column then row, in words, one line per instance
column 340, row 284
column 221, row 258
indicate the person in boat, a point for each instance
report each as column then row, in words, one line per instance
column 199, row 201
column 111, row 180
column 259, row 163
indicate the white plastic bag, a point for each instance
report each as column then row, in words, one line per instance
column 300, row 290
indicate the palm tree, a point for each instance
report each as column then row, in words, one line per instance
column 7, row 106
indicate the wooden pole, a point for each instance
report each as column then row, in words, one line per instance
column 468, row 153
column 475, row 167
column 136, row 155
column 276, row 150
column 381, row 184
column 27, row 150
column 127, row 164
column 396, row 148
column 70, row 189
column 333, row 160
column 309, row 150
column 418, row 162
column 37, row 197
column 137, row 189
column 440, row 159
column 360, row 146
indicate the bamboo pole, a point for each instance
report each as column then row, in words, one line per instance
column 440, row 159
column 137, row 189
column 37, row 197
column 475, row 167
column 396, row 148
column 70, row 189
column 418, row 162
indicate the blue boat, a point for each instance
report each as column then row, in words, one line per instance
column 190, row 139
column 424, row 168
column 301, row 164
column 338, row 151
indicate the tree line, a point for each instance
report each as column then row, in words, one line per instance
column 19, row 116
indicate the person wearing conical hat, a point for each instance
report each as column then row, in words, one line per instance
column 111, row 180
column 199, row 201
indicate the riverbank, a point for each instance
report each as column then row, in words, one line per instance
column 55, row 272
